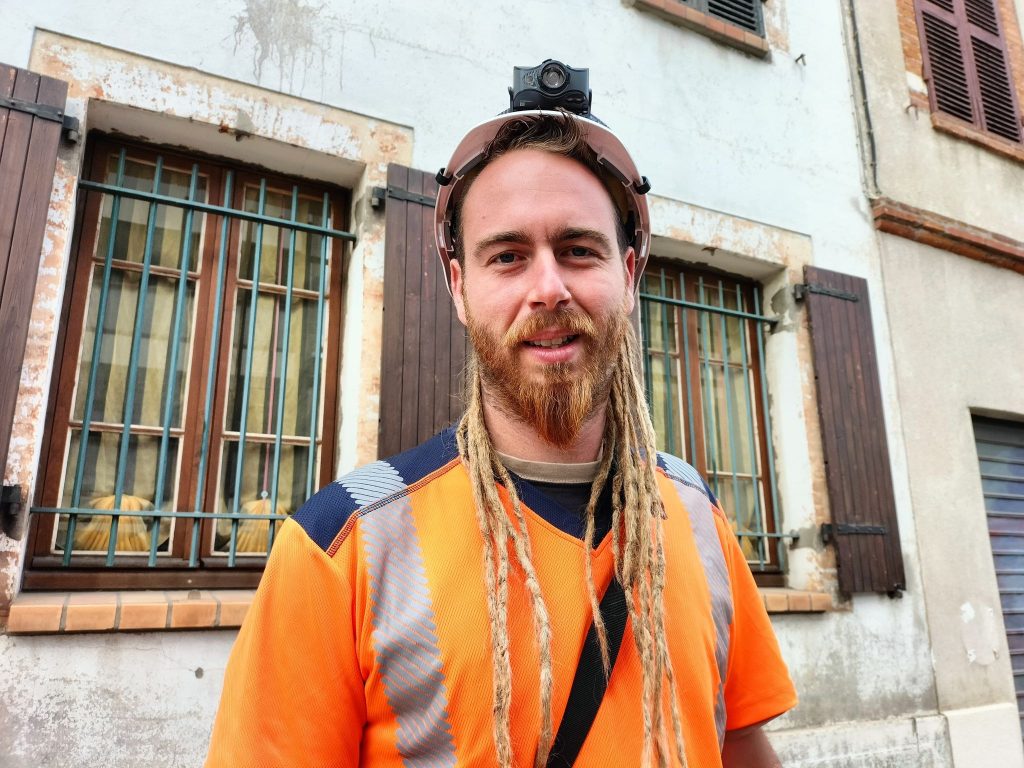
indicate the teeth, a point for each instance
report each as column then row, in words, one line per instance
column 551, row 342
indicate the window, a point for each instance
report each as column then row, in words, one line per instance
column 195, row 388
column 736, row 23
column 745, row 14
column 703, row 370
column 966, row 64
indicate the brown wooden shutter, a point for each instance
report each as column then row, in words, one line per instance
column 28, row 155
column 966, row 66
column 863, row 528
column 424, row 344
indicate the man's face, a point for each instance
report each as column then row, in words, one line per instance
column 544, row 290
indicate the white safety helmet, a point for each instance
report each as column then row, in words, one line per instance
column 611, row 156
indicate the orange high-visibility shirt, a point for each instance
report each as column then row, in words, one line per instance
column 368, row 642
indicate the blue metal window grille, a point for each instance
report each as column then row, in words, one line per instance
column 703, row 340
column 197, row 413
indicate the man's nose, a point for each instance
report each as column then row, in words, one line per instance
column 548, row 289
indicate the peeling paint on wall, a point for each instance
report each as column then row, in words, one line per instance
column 980, row 633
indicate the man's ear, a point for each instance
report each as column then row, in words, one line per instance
column 456, row 284
column 630, row 265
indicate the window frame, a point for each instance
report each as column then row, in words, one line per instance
column 704, row 6
column 772, row 572
column 44, row 569
column 696, row 15
column 959, row 22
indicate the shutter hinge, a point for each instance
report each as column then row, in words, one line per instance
column 69, row 125
column 800, row 291
column 830, row 530
column 12, row 519
column 378, row 195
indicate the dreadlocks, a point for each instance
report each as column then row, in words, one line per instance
column 636, row 524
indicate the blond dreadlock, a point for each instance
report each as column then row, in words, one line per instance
column 637, row 545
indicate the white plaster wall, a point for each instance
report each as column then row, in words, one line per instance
column 112, row 700
column 769, row 141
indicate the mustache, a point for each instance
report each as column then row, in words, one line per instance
column 572, row 322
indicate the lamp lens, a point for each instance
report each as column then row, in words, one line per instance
column 553, row 77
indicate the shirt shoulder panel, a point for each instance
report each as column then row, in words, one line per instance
column 678, row 470
column 326, row 513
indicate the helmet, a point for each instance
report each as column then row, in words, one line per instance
column 611, row 156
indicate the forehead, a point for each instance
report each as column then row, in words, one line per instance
column 529, row 187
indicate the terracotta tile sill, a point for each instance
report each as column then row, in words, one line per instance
column 40, row 613
column 779, row 600
column 145, row 611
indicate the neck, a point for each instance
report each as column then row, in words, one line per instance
column 513, row 437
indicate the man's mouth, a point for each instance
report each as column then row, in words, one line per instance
column 560, row 341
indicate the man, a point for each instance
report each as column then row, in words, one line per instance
column 431, row 609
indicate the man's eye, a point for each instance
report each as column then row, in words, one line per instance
column 579, row 251
column 505, row 258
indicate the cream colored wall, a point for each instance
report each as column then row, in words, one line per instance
column 956, row 331
column 956, row 327
column 918, row 164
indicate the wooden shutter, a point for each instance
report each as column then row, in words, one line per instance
column 28, row 155
column 424, row 344
column 966, row 66
column 857, row 472
column 745, row 14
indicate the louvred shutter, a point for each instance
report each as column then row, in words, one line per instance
column 424, row 344
column 864, row 529
column 745, row 14
column 966, row 65
column 946, row 69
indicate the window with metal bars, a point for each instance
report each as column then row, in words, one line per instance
column 194, row 390
column 746, row 14
column 966, row 65
column 703, row 339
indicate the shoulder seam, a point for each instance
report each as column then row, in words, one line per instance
column 383, row 501
column 689, row 484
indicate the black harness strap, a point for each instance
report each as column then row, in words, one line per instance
column 589, row 684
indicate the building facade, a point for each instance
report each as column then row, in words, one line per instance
column 220, row 293
column 939, row 109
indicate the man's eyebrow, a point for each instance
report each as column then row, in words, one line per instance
column 517, row 236
column 520, row 237
column 581, row 233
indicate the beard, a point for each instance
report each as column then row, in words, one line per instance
column 558, row 398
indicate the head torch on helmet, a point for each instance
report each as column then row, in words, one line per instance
column 552, row 89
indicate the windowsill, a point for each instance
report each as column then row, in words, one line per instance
column 729, row 34
column 781, row 600
column 967, row 132
column 127, row 611
column 60, row 613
